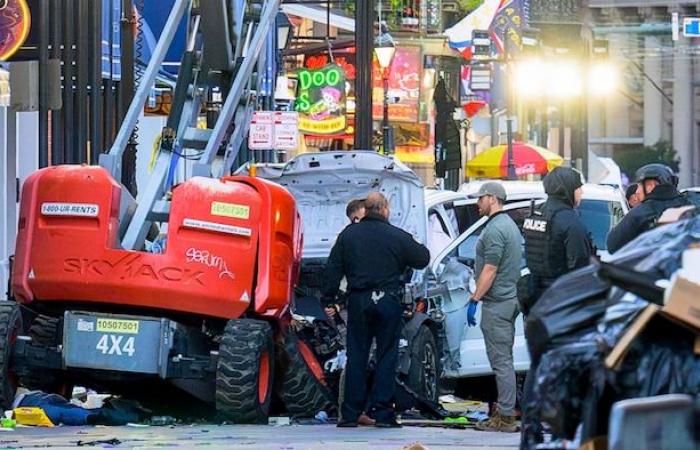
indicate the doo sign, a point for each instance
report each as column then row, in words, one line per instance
column 321, row 100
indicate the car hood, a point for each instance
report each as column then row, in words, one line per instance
column 324, row 183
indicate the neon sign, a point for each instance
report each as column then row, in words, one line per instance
column 321, row 100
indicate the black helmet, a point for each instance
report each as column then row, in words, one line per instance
column 656, row 171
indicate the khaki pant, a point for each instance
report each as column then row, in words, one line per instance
column 498, row 327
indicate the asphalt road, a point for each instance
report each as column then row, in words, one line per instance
column 253, row 437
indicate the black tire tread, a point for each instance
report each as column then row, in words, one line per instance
column 9, row 318
column 43, row 331
column 237, row 370
column 302, row 394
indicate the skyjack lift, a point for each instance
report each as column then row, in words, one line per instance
column 93, row 303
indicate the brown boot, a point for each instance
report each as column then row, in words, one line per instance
column 498, row 422
column 365, row 421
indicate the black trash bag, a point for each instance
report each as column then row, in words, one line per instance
column 661, row 361
column 568, row 379
column 585, row 307
column 657, row 254
column 632, row 281
column 622, row 312
column 570, row 307
column 118, row 411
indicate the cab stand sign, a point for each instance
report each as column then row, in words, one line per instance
column 277, row 130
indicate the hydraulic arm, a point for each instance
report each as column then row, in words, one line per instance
column 228, row 60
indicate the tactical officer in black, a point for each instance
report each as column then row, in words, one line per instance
column 659, row 187
column 556, row 240
column 373, row 255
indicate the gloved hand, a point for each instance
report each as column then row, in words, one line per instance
column 471, row 313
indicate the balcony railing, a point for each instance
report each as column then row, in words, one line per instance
column 555, row 11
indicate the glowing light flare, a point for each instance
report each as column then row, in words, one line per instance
column 564, row 79
column 603, row 79
column 529, row 78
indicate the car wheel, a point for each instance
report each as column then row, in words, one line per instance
column 424, row 373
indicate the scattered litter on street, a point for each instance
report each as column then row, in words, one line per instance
column 32, row 416
column 321, row 416
column 447, row 399
column 279, row 421
column 161, row 421
column 477, row 416
column 38, row 408
column 109, row 442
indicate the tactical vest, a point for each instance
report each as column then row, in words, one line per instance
column 659, row 206
column 543, row 263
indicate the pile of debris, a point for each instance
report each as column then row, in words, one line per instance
column 37, row 408
column 625, row 329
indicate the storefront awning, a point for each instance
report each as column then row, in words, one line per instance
column 338, row 19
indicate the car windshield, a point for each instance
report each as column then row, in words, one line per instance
column 600, row 216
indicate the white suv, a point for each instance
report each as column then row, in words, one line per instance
column 602, row 207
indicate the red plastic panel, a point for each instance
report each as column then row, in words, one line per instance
column 67, row 247
column 279, row 251
column 79, row 220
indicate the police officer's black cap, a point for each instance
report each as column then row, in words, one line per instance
column 657, row 171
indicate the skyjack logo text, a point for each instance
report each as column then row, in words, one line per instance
column 130, row 267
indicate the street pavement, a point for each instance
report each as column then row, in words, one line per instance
column 254, row 437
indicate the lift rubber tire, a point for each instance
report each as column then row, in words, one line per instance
column 44, row 331
column 244, row 371
column 303, row 390
column 424, row 372
column 10, row 326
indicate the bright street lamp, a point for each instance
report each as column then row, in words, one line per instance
column 529, row 78
column 385, row 55
column 565, row 79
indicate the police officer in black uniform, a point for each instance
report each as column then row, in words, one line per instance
column 659, row 187
column 373, row 255
column 556, row 240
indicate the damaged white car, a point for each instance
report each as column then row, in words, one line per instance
column 436, row 342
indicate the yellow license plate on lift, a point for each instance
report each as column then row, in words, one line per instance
column 117, row 326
